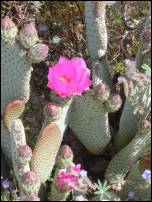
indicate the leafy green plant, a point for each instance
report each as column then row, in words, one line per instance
column 102, row 189
column 146, row 68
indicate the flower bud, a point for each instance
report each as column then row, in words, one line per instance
column 50, row 111
column 31, row 182
column 8, row 29
column 147, row 35
column 25, row 153
column 145, row 124
column 38, row 53
column 114, row 102
column 65, row 152
column 101, row 91
column 28, row 35
column 65, row 157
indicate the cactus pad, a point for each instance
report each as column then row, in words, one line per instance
column 45, row 151
column 16, row 73
column 135, row 183
column 125, row 158
column 89, row 121
column 129, row 119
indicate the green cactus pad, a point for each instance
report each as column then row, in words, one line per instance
column 16, row 73
column 129, row 120
column 125, row 158
column 95, row 28
column 12, row 111
column 96, row 36
column 45, row 151
column 89, row 121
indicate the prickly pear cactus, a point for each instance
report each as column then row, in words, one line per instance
column 96, row 36
column 28, row 182
column 16, row 72
column 39, row 164
column 63, row 161
column 125, row 158
column 137, row 104
column 89, row 117
column 50, row 138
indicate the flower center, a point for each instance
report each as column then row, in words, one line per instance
column 65, row 79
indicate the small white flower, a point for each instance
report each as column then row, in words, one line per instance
column 83, row 173
column 101, row 52
column 56, row 40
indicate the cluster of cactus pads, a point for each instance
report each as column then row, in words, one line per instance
column 87, row 115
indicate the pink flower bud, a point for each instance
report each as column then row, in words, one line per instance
column 8, row 30
column 32, row 198
column 29, row 29
column 51, row 110
column 38, row 53
column 42, row 49
column 30, row 178
column 24, row 151
column 7, row 23
column 102, row 91
column 147, row 34
column 145, row 124
column 28, row 35
column 65, row 152
column 115, row 102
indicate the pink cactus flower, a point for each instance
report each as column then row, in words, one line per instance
column 65, row 181
column 69, row 77
column 75, row 169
